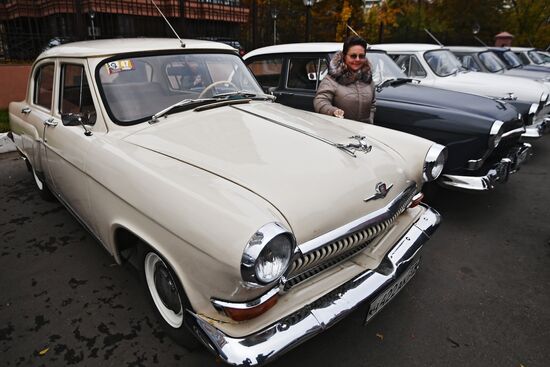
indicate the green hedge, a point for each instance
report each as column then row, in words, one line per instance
column 4, row 121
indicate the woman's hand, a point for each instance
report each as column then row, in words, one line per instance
column 339, row 113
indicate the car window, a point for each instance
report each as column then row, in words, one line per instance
column 135, row 88
column 304, row 72
column 43, row 86
column 443, row 62
column 75, row 95
column 512, row 59
column 491, row 61
column 469, row 62
column 524, row 59
column 535, row 57
column 411, row 66
column 267, row 71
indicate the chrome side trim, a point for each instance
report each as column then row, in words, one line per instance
column 499, row 172
column 294, row 329
column 358, row 224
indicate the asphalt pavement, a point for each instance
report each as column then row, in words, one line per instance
column 480, row 298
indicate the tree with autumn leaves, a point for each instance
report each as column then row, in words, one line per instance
column 453, row 22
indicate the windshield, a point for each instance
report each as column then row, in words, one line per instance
column 384, row 67
column 512, row 59
column 443, row 62
column 491, row 61
column 135, row 88
column 534, row 55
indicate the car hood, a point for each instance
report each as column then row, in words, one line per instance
column 491, row 85
column 465, row 103
column 316, row 186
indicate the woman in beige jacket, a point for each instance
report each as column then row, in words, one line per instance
column 348, row 90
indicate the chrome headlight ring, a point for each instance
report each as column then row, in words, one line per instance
column 434, row 162
column 495, row 135
column 268, row 254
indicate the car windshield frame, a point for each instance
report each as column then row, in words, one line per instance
column 448, row 62
column 490, row 60
column 135, row 86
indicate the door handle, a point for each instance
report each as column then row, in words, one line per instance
column 26, row 110
column 50, row 122
column 286, row 94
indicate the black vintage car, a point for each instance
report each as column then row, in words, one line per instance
column 481, row 135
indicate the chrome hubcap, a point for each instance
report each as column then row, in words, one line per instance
column 163, row 290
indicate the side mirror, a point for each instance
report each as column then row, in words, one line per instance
column 78, row 119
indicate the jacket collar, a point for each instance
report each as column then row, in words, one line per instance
column 339, row 71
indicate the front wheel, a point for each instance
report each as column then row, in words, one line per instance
column 167, row 297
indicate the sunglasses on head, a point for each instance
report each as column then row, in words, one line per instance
column 357, row 56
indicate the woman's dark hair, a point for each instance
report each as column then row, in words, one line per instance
column 354, row 41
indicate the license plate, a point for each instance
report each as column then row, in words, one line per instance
column 386, row 296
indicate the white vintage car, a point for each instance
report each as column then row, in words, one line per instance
column 437, row 66
column 255, row 226
column 530, row 56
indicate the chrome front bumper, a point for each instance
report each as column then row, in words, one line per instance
column 321, row 314
column 499, row 172
column 535, row 131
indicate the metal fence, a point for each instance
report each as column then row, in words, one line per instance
column 28, row 27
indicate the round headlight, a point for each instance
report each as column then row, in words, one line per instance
column 267, row 255
column 434, row 162
column 273, row 260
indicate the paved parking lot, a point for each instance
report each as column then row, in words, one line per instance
column 481, row 297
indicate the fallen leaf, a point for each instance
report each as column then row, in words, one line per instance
column 380, row 336
column 43, row 351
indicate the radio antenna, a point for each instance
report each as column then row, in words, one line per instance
column 169, row 25
column 480, row 41
column 433, row 37
column 353, row 30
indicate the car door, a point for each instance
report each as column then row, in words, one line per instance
column 68, row 145
column 304, row 73
column 38, row 114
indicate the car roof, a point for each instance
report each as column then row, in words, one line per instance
column 296, row 48
column 126, row 45
column 406, row 47
column 519, row 49
column 466, row 48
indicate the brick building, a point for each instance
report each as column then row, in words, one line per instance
column 28, row 26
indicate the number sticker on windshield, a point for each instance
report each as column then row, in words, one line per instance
column 119, row 66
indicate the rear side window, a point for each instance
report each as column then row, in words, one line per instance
column 43, row 86
column 306, row 72
column 75, row 95
column 267, row 71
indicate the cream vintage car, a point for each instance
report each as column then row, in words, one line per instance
column 255, row 226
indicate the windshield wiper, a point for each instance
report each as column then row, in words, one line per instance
column 184, row 105
column 243, row 94
column 392, row 82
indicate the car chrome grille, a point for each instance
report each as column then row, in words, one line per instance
column 327, row 255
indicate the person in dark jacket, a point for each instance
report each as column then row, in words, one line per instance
column 348, row 89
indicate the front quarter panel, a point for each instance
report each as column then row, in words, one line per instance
column 198, row 221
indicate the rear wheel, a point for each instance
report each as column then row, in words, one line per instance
column 167, row 297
